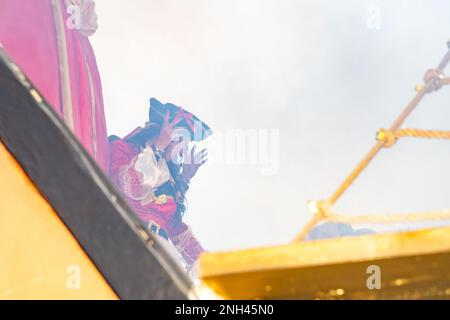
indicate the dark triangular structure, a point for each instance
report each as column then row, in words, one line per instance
column 130, row 259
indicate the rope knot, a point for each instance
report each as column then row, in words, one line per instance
column 321, row 208
column 435, row 78
column 386, row 136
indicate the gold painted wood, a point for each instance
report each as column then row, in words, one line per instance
column 413, row 265
column 39, row 257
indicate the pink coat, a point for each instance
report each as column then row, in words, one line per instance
column 28, row 34
column 130, row 183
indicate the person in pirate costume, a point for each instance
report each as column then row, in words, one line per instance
column 152, row 167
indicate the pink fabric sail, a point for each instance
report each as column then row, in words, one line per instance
column 29, row 35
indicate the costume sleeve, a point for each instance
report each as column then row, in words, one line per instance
column 123, row 174
column 187, row 245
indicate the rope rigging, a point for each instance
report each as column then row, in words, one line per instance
column 434, row 80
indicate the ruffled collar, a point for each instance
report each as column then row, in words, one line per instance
column 88, row 17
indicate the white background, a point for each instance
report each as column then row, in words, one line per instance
column 319, row 71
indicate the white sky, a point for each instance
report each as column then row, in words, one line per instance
column 312, row 69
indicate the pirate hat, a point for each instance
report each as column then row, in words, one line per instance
column 198, row 129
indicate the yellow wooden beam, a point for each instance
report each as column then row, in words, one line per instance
column 413, row 265
column 39, row 257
